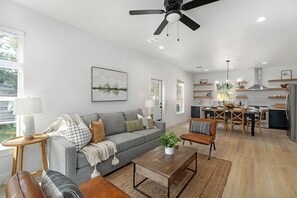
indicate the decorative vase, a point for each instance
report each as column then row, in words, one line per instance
column 169, row 150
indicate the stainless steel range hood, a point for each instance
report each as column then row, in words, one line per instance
column 258, row 81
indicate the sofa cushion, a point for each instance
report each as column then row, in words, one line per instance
column 55, row 184
column 113, row 123
column 132, row 115
column 125, row 141
column 89, row 118
column 134, row 125
column 149, row 134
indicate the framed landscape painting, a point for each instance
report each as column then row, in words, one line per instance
column 109, row 85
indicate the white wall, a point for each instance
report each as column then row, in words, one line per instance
column 254, row 97
column 57, row 67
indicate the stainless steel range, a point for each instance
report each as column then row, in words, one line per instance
column 265, row 115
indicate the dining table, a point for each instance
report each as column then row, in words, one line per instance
column 247, row 114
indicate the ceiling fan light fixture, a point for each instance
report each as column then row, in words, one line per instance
column 173, row 17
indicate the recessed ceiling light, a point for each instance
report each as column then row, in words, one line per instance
column 205, row 69
column 261, row 19
column 264, row 63
column 161, row 47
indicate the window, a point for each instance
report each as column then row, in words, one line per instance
column 224, row 91
column 180, row 99
column 11, row 49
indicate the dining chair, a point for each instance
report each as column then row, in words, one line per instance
column 237, row 117
column 257, row 122
column 219, row 115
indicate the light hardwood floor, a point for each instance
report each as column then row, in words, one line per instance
column 262, row 166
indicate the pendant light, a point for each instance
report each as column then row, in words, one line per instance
column 227, row 61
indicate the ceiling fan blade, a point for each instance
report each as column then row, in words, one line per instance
column 189, row 22
column 140, row 12
column 196, row 3
column 161, row 27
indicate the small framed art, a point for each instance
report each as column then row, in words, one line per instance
column 286, row 74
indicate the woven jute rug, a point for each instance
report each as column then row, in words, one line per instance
column 209, row 181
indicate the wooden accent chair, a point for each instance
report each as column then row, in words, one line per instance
column 257, row 122
column 237, row 117
column 201, row 138
column 220, row 116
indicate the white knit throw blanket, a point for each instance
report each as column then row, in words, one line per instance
column 95, row 153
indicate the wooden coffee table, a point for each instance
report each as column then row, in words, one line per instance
column 163, row 169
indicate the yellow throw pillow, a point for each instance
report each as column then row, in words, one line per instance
column 97, row 130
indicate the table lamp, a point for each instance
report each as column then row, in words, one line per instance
column 149, row 104
column 27, row 107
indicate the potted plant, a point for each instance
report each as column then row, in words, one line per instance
column 169, row 141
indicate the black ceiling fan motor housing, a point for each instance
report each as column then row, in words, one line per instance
column 173, row 5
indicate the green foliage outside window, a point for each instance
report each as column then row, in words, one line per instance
column 225, row 91
column 9, row 45
column 7, row 131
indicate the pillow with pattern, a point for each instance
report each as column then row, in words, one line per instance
column 201, row 127
column 79, row 135
column 57, row 185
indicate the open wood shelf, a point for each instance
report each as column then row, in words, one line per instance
column 282, row 80
column 276, row 97
column 241, row 90
column 202, row 91
column 206, row 84
column 276, row 89
column 202, row 96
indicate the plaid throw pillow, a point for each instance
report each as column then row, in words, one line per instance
column 134, row 125
column 79, row 135
column 201, row 127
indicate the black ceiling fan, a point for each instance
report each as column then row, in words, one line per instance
column 173, row 13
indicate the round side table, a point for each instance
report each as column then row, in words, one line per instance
column 19, row 143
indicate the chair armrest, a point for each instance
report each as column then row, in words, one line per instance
column 160, row 125
column 62, row 156
column 100, row 187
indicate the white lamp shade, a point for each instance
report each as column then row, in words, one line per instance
column 27, row 106
column 149, row 104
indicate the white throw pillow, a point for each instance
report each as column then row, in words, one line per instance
column 146, row 121
column 79, row 135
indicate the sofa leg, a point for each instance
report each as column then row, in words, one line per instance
column 214, row 145
column 184, row 142
column 209, row 151
column 190, row 142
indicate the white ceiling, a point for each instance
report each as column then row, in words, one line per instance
column 228, row 30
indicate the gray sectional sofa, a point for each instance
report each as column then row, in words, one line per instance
column 63, row 157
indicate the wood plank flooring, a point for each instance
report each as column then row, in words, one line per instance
column 262, row 166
